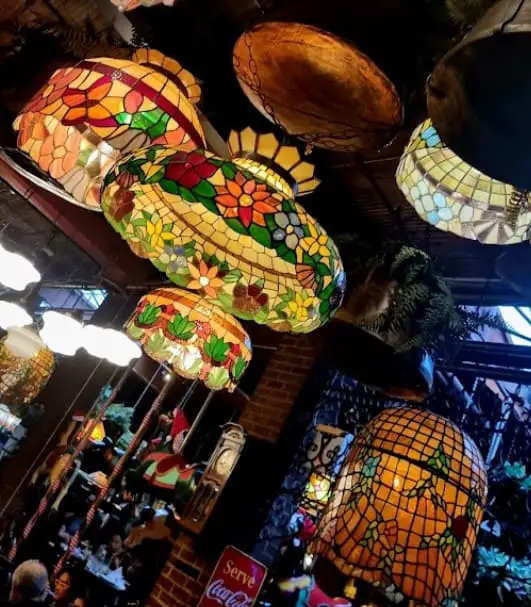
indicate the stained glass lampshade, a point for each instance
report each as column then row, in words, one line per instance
column 407, row 508
column 195, row 337
column 88, row 115
column 98, row 432
column 26, row 365
column 230, row 231
column 455, row 197
column 304, row 79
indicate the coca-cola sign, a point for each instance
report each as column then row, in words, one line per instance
column 235, row 581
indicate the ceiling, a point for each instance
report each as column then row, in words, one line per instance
column 358, row 194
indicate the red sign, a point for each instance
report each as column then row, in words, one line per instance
column 235, row 582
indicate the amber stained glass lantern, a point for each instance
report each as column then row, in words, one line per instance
column 455, row 197
column 197, row 338
column 26, row 365
column 407, row 507
column 231, row 229
column 316, row 86
column 88, row 115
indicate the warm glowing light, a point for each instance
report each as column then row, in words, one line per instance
column 196, row 338
column 231, row 230
column 455, row 197
column 420, row 532
column 61, row 333
column 13, row 315
column 16, row 272
column 110, row 344
column 98, row 432
column 318, row 489
column 87, row 116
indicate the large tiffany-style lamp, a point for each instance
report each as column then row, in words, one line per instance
column 407, row 508
column 453, row 196
column 230, row 229
column 87, row 116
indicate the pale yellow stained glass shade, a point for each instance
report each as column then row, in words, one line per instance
column 280, row 166
column 87, row 116
column 455, row 197
column 407, row 507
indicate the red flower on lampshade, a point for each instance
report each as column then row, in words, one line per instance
column 85, row 105
column 246, row 200
column 459, row 527
column 188, row 169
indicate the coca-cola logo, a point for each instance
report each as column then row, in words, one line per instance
column 218, row 592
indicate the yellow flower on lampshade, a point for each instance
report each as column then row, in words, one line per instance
column 407, row 507
column 87, row 116
column 455, row 197
column 231, row 229
column 26, row 365
column 195, row 337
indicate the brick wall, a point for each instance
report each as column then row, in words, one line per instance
column 268, row 409
column 185, row 574
column 183, row 578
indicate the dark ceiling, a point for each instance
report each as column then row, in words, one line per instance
column 358, row 193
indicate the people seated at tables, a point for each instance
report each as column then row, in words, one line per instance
column 29, row 585
column 67, row 591
column 114, row 553
column 72, row 520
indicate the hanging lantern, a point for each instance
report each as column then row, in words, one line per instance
column 407, row 508
column 98, row 432
column 231, row 229
column 13, row 315
column 129, row 5
column 195, row 337
column 61, row 333
column 316, row 86
column 479, row 97
column 453, row 196
column 86, row 117
column 26, row 365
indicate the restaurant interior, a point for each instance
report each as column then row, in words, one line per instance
column 264, row 319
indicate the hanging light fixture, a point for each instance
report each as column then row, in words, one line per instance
column 26, row 365
column 12, row 315
column 455, row 197
column 197, row 338
column 231, row 230
column 61, row 333
column 316, row 86
column 110, row 344
column 87, row 116
column 407, row 508
column 16, row 272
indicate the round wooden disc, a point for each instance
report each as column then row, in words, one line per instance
column 316, row 86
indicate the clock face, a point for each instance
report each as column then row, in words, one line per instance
column 225, row 462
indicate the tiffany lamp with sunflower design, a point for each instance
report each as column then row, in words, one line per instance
column 231, row 230
column 455, row 197
column 198, row 339
column 407, row 508
column 88, row 115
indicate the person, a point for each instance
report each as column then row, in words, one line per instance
column 29, row 585
column 72, row 520
column 115, row 554
column 66, row 592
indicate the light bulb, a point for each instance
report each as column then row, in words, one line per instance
column 13, row 315
column 16, row 272
column 61, row 333
column 110, row 344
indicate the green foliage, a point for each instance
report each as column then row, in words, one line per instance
column 149, row 315
column 217, row 349
column 119, row 415
column 181, row 327
column 512, row 575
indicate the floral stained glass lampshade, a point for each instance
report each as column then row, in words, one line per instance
column 316, row 86
column 455, row 197
column 87, row 116
column 195, row 337
column 26, row 365
column 407, row 508
column 231, row 230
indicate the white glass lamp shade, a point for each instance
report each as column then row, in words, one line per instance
column 16, row 272
column 113, row 345
column 13, row 315
column 61, row 333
